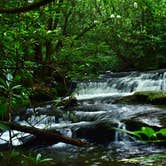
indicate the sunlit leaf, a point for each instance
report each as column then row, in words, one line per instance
column 16, row 87
column 18, row 96
column 9, row 77
column 7, row 83
column 46, row 160
column 149, row 132
column 2, row 87
column 38, row 157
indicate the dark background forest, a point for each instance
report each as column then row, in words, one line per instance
column 74, row 40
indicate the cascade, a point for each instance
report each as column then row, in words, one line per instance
column 116, row 84
column 94, row 119
column 164, row 82
column 119, row 135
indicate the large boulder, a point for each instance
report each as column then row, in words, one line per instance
column 98, row 132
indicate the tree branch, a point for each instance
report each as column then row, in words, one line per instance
column 87, row 29
column 27, row 8
column 43, row 134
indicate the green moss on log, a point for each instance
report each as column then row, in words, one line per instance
column 149, row 97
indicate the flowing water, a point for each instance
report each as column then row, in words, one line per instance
column 122, row 84
column 94, row 117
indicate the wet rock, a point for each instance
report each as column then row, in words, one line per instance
column 149, row 97
column 98, row 133
column 136, row 124
column 89, row 116
column 163, row 121
column 68, row 102
column 92, row 107
column 146, row 130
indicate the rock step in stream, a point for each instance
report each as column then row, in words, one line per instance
column 95, row 116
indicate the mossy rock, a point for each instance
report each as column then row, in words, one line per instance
column 145, row 97
column 154, row 159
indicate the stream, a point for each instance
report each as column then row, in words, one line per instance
column 93, row 118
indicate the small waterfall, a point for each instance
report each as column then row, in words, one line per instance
column 119, row 135
column 164, row 82
column 122, row 84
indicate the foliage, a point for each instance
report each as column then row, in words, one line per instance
column 156, row 160
column 147, row 134
column 12, row 92
column 84, row 38
column 38, row 159
column 66, row 40
column 3, row 127
column 23, row 158
column 76, row 39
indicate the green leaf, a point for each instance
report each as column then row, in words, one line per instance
column 7, row 83
column 16, row 87
column 137, row 134
column 9, row 77
column 3, row 127
column 134, row 133
column 149, row 132
column 2, row 82
column 17, row 77
column 162, row 132
column 3, row 109
column 17, row 96
column 2, row 87
column 46, row 160
column 29, row 63
column 38, row 157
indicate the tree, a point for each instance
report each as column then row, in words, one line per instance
column 26, row 8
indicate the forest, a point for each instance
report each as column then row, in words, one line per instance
column 68, row 62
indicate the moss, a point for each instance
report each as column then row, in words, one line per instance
column 154, row 97
column 155, row 160
column 149, row 97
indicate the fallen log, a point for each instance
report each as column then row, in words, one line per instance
column 44, row 134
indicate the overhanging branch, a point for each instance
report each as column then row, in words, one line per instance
column 27, row 8
column 90, row 27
